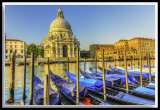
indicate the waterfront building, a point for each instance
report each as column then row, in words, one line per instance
column 133, row 47
column 84, row 53
column 60, row 42
column 18, row 46
column 96, row 49
column 144, row 45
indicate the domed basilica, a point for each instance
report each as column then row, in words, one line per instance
column 60, row 43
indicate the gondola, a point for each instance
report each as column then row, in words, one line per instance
column 147, row 66
column 114, row 95
column 99, row 76
column 145, row 74
column 134, row 89
column 38, row 93
column 136, row 69
column 135, row 74
column 131, row 79
column 68, row 92
column 151, row 86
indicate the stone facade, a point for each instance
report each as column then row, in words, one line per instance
column 60, row 42
column 17, row 46
column 133, row 47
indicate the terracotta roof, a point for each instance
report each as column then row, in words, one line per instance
column 13, row 40
column 102, row 45
column 142, row 38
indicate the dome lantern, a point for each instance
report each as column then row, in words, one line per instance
column 60, row 13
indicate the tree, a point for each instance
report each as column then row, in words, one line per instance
column 32, row 48
column 41, row 52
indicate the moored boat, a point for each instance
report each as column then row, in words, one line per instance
column 112, row 74
column 136, row 74
column 68, row 91
column 38, row 93
column 119, row 97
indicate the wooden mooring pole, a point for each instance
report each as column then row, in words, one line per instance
column 31, row 78
column 143, row 59
column 46, row 98
column 12, row 78
column 84, row 66
column 141, row 68
column 48, row 82
column 96, row 65
column 104, row 85
column 125, row 65
column 134, row 59
column 147, row 59
column 150, row 79
column 138, row 62
column 115, row 63
column 68, row 67
column 24, row 87
column 131, row 62
column 106, row 65
column 77, row 102
column 47, row 85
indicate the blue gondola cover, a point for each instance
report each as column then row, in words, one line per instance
column 131, row 79
column 92, row 84
column 38, row 93
column 134, row 73
column 68, row 89
column 145, row 90
column 110, row 81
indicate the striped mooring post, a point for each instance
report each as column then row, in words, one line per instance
column 12, row 78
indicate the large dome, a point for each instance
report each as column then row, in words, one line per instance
column 60, row 23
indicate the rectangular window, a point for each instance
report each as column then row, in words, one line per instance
column 15, row 46
column 15, row 42
column 10, row 46
column 15, row 51
column 6, row 56
column 11, row 51
column 6, row 51
column 21, row 56
column 21, row 51
column 21, row 46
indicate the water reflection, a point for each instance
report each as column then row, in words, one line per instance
column 40, row 70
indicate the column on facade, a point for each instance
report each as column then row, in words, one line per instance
column 61, row 51
column 56, row 49
column 69, row 50
column 73, row 54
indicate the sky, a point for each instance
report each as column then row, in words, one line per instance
column 91, row 24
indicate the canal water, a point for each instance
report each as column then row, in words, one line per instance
column 56, row 68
